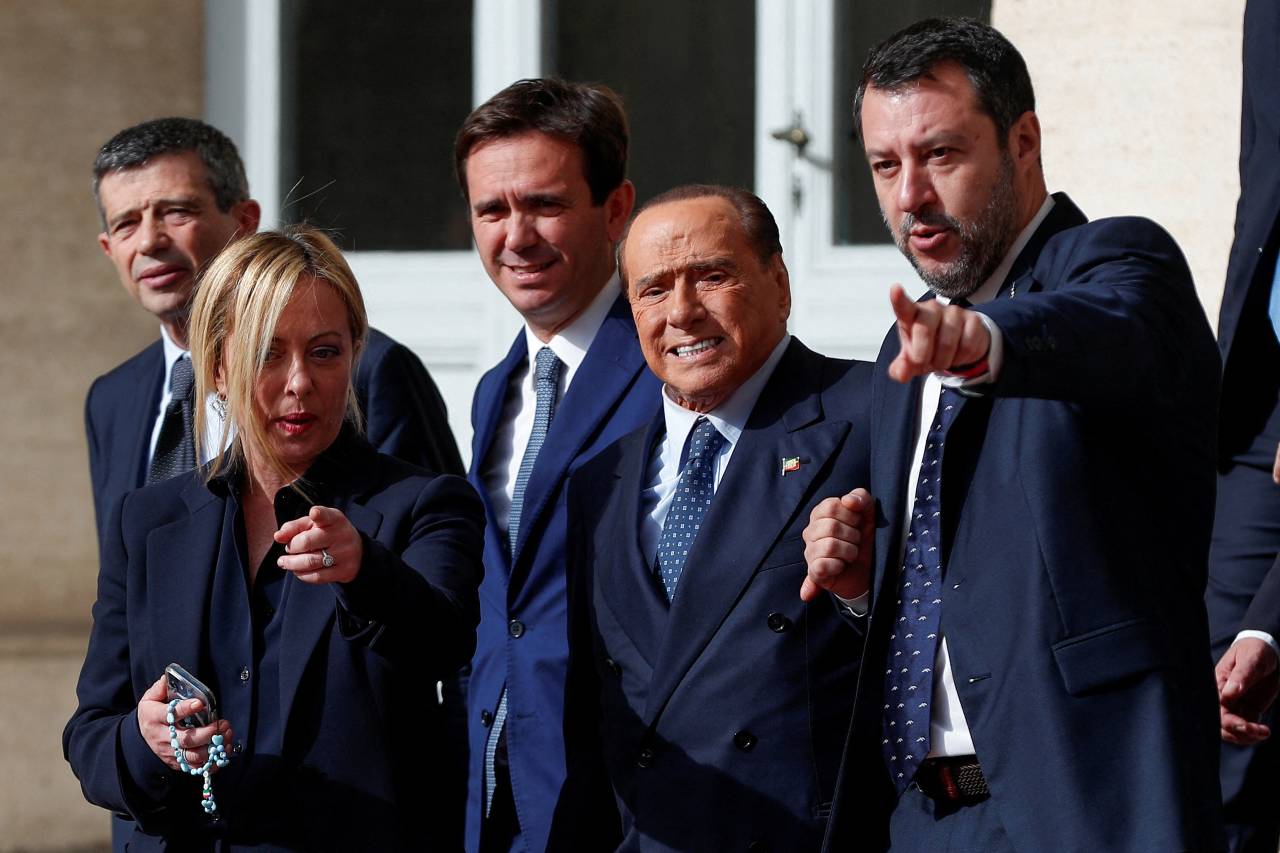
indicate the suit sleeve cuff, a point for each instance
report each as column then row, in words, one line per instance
column 145, row 774
column 1259, row 635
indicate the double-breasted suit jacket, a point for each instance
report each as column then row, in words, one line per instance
column 722, row 716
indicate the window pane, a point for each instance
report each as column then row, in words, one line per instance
column 860, row 26
column 371, row 96
column 686, row 72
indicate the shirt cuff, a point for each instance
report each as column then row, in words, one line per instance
column 995, row 360
column 1259, row 635
column 856, row 606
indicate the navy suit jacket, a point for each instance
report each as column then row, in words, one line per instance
column 723, row 716
column 1077, row 500
column 350, row 688
column 1251, row 371
column 612, row 393
column 404, row 416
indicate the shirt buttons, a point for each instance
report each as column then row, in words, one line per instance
column 244, row 673
column 515, row 628
column 645, row 757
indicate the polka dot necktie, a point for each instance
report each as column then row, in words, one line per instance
column 175, row 447
column 546, row 382
column 692, row 498
column 913, row 637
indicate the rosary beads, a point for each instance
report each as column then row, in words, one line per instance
column 217, row 757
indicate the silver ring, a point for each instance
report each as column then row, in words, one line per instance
column 326, row 559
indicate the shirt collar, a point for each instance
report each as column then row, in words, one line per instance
column 991, row 286
column 571, row 343
column 730, row 417
column 172, row 352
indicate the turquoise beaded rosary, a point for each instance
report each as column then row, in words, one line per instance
column 217, row 757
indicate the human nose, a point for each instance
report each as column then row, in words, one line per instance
column 522, row 232
column 152, row 234
column 685, row 307
column 915, row 189
column 299, row 382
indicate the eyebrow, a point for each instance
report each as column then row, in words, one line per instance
column 533, row 200
column 942, row 137
column 724, row 262
column 187, row 201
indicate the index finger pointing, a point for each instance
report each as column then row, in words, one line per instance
column 290, row 529
column 904, row 307
column 324, row 516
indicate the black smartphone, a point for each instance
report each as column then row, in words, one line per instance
column 184, row 685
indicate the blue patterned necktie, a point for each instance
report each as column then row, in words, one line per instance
column 913, row 638
column 546, row 382
column 692, row 498
column 175, row 446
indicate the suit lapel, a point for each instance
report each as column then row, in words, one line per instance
column 894, row 428
column 1063, row 215
column 629, row 584
column 309, row 609
column 140, row 420
column 490, row 397
column 753, row 506
column 606, row 373
column 181, row 558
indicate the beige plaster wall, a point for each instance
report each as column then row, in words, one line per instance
column 1140, row 106
column 72, row 72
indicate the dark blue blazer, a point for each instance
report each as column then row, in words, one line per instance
column 404, row 416
column 612, row 393
column 723, row 715
column 1251, row 370
column 1077, row 501
column 357, row 668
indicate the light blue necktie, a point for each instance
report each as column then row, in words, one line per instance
column 546, row 373
column 1274, row 308
column 692, row 499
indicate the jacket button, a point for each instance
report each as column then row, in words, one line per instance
column 778, row 623
column 515, row 628
column 237, row 747
column 613, row 666
column 244, row 673
column 645, row 758
column 486, row 719
column 744, row 740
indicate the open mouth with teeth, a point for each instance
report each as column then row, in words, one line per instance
column 525, row 270
column 696, row 349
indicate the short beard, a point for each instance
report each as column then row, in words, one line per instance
column 983, row 242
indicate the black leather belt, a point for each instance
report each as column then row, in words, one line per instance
column 956, row 779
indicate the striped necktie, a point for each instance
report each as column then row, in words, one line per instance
column 175, row 447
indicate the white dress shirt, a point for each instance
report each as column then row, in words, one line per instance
column 213, row 420
column 570, row 344
column 663, row 472
column 948, row 729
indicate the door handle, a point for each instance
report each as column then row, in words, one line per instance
column 796, row 135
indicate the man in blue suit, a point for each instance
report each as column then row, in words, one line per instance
column 542, row 165
column 171, row 194
column 1036, row 672
column 723, row 698
column 1246, row 534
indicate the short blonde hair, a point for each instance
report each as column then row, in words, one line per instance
column 242, row 294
